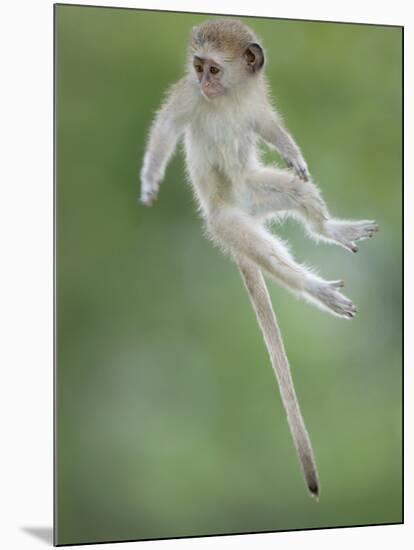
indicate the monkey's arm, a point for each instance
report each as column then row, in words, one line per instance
column 271, row 129
column 165, row 132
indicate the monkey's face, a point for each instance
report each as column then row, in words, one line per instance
column 210, row 75
column 219, row 72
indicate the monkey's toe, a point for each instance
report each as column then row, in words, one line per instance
column 337, row 284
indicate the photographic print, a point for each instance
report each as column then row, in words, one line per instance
column 228, row 260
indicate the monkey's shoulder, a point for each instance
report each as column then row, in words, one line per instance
column 179, row 100
column 177, row 89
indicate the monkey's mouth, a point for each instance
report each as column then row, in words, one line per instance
column 210, row 93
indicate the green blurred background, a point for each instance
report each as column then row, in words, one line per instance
column 169, row 421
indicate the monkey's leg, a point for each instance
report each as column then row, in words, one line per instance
column 242, row 235
column 274, row 190
column 262, row 305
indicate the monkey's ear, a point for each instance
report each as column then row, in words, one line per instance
column 254, row 57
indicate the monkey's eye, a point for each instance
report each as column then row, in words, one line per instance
column 214, row 70
column 198, row 68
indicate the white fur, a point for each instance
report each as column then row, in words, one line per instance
column 237, row 194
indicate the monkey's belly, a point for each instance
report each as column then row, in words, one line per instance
column 231, row 157
column 214, row 175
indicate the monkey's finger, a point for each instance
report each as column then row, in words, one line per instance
column 146, row 203
column 303, row 174
column 149, row 192
column 147, row 199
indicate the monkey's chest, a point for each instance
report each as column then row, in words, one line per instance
column 222, row 144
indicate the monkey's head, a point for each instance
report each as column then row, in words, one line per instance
column 224, row 54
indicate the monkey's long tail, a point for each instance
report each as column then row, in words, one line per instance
column 259, row 296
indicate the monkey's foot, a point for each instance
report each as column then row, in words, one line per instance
column 346, row 233
column 327, row 295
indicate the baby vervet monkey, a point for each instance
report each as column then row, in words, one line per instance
column 222, row 109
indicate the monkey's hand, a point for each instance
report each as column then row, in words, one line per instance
column 299, row 165
column 149, row 190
